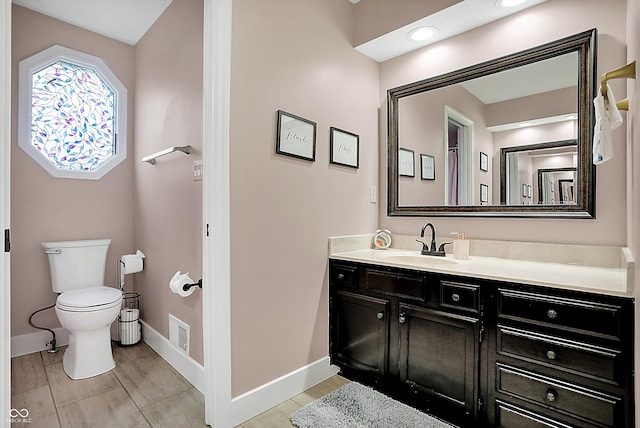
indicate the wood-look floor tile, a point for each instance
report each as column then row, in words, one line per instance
column 66, row 390
column 320, row 390
column 277, row 417
column 27, row 373
column 39, row 404
column 54, row 358
column 132, row 352
column 150, row 379
column 185, row 409
column 110, row 409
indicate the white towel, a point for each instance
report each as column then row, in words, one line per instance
column 608, row 117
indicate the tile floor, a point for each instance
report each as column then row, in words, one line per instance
column 142, row 391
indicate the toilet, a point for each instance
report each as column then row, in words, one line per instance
column 85, row 306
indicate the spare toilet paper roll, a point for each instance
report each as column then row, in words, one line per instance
column 180, row 280
column 132, row 263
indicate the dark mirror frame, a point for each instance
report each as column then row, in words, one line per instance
column 541, row 146
column 585, row 45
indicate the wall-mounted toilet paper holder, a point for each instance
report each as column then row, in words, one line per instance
column 186, row 287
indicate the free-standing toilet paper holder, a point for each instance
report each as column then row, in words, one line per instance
column 186, row 287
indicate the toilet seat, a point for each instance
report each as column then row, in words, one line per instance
column 89, row 299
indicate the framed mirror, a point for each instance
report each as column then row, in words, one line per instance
column 535, row 105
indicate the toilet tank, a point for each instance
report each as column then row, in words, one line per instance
column 77, row 264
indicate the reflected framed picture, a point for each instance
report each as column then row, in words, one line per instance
column 406, row 166
column 484, row 162
column 295, row 136
column 344, row 148
column 427, row 167
column 484, row 194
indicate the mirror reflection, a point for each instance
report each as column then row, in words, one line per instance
column 447, row 135
column 531, row 174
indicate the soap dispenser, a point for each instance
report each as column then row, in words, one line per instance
column 460, row 246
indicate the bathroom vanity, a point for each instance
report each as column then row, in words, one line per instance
column 490, row 341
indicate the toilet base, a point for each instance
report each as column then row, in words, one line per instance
column 89, row 354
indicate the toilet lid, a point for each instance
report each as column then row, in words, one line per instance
column 89, row 297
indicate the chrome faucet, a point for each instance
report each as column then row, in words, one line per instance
column 430, row 249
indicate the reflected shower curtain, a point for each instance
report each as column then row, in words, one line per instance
column 453, row 177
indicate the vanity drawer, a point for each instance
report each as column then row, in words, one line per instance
column 511, row 416
column 407, row 285
column 567, row 355
column 344, row 276
column 460, row 296
column 583, row 316
column 577, row 401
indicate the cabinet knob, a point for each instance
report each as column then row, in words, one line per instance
column 552, row 395
column 402, row 319
column 340, row 276
column 380, row 315
column 455, row 297
column 552, row 314
column 551, row 355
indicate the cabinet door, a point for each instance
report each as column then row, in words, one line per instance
column 439, row 355
column 360, row 332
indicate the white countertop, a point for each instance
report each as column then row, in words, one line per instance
column 616, row 281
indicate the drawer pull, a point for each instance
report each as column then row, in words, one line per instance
column 402, row 319
column 552, row 314
column 380, row 315
column 455, row 297
column 552, row 395
column 551, row 355
column 340, row 276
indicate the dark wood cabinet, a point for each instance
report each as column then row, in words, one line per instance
column 439, row 355
column 482, row 353
column 360, row 332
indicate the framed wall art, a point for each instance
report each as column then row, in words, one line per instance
column 295, row 136
column 344, row 148
column 406, row 163
column 484, row 194
column 484, row 162
column 428, row 167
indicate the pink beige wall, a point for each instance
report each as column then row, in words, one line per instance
column 558, row 18
column 295, row 56
column 167, row 209
column 44, row 208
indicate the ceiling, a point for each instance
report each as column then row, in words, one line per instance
column 122, row 20
column 454, row 20
column 128, row 20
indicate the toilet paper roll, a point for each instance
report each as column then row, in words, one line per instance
column 132, row 263
column 178, row 281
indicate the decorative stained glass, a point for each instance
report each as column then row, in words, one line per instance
column 73, row 116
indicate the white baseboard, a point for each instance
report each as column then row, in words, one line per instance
column 35, row 342
column 186, row 366
column 256, row 401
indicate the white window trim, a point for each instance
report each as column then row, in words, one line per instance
column 37, row 62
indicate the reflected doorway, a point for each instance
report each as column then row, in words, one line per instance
column 458, row 141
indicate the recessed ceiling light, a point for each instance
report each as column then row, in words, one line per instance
column 422, row 33
column 509, row 3
column 524, row 124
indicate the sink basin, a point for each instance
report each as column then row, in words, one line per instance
column 418, row 260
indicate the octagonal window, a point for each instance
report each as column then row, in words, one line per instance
column 72, row 113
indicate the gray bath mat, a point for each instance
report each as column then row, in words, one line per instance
column 357, row 406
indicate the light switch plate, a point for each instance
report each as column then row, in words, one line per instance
column 197, row 170
column 373, row 194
